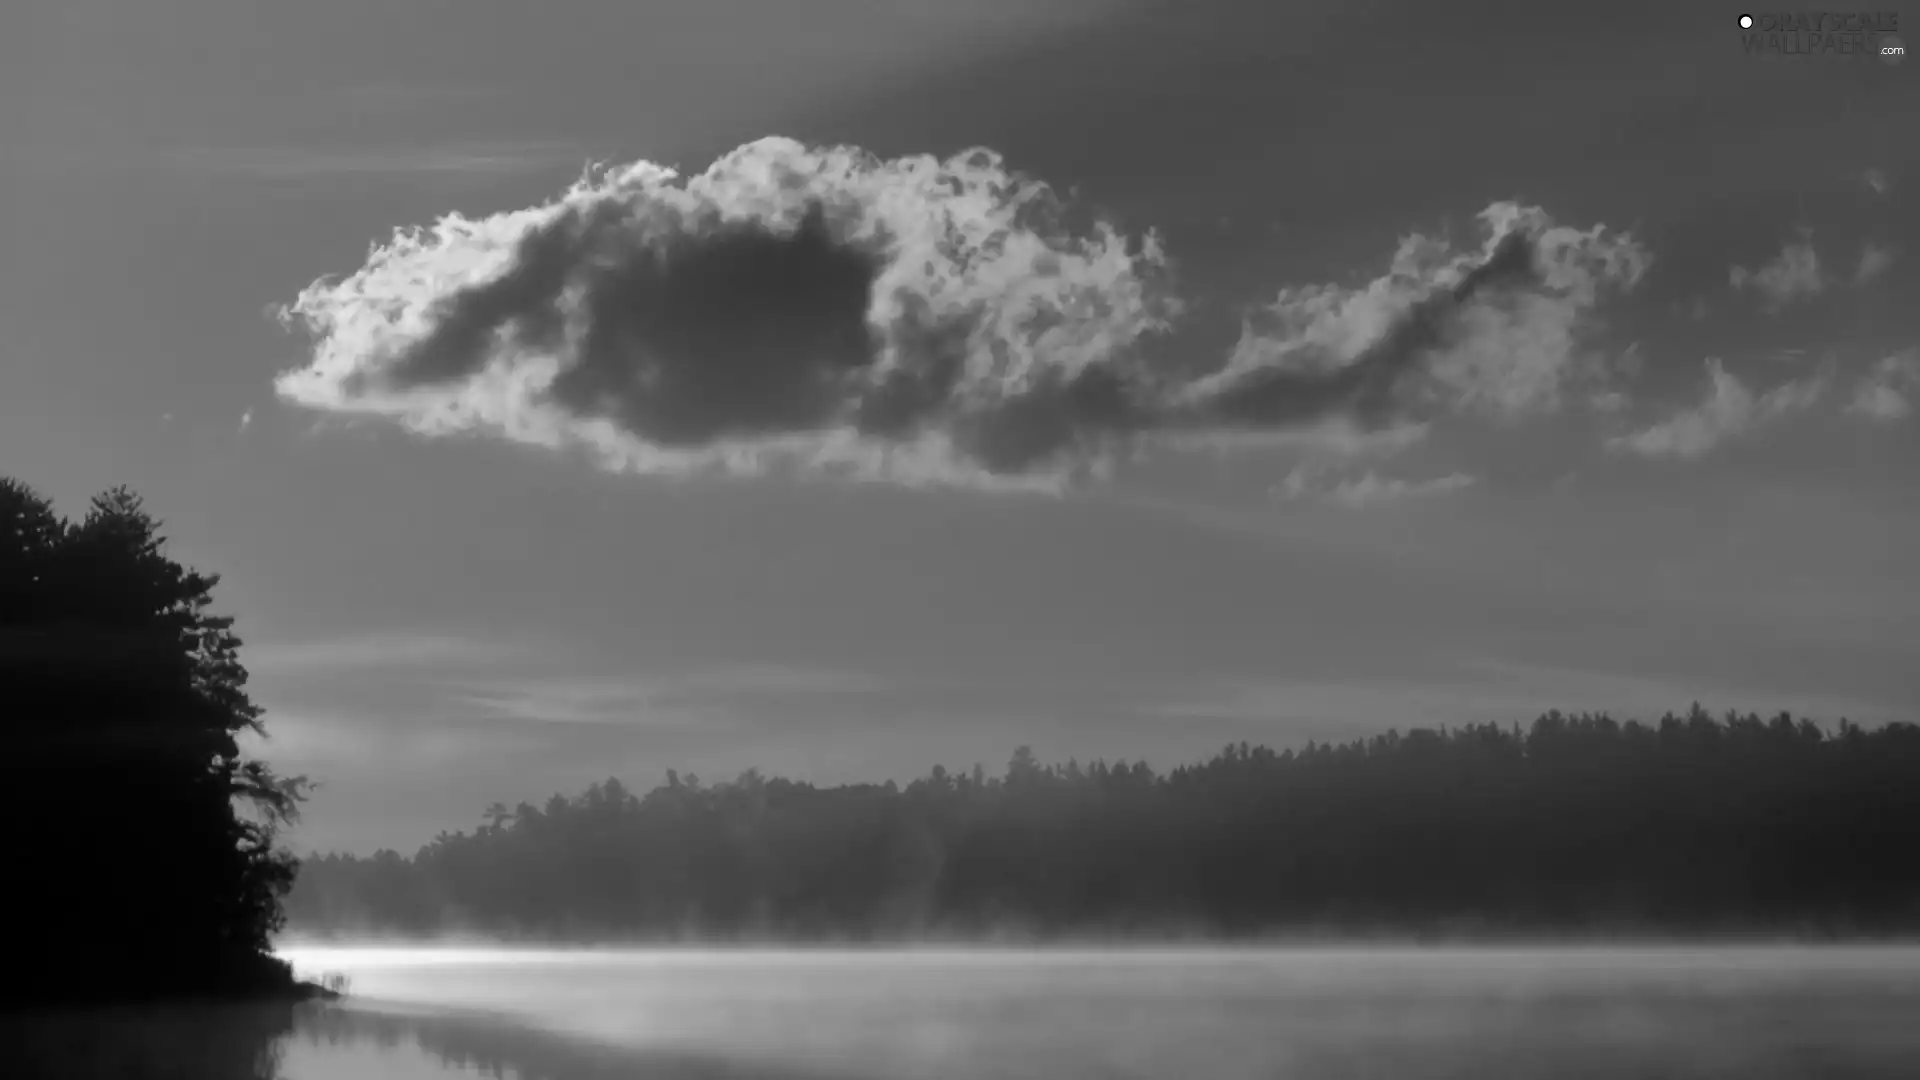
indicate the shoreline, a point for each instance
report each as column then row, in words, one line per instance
column 1118, row 944
column 295, row 992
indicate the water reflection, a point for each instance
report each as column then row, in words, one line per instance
column 150, row 1043
column 330, row 1042
column 468, row 1044
column 1750, row 1015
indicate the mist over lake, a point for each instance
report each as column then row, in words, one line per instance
column 1197, row 1013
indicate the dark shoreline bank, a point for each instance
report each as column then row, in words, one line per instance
column 290, row 992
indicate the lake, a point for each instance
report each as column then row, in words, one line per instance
column 1191, row 1014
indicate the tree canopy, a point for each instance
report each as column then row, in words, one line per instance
column 1578, row 823
column 144, row 862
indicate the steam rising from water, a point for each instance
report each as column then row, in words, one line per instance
column 1199, row 1013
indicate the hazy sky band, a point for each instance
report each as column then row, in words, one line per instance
column 1717, row 504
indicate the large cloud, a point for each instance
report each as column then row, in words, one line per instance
column 913, row 319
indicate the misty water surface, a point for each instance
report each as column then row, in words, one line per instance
column 1204, row 1015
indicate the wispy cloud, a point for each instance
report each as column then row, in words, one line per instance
column 1793, row 275
column 1729, row 410
column 1607, row 394
column 1628, row 695
column 246, row 420
column 335, row 741
column 1500, row 332
column 1333, row 439
column 701, row 697
column 626, row 700
column 436, row 159
column 1885, row 393
column 383, row 649
column 1368, row 489
column 1325, row 468
column 390, row 96
column 1879, row 181
column 1875, row 261
column 1477, row 690
column 1467, row 694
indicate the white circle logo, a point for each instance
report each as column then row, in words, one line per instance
column 1746, row 22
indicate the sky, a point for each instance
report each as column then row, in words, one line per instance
column 1280, row 371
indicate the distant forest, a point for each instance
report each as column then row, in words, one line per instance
column 1692, row 824
column 145, row 857
column 141, row 854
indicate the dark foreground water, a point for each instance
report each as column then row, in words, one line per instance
column 1185, row 1015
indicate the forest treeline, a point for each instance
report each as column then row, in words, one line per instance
column 1577, row 823
column 141, row 859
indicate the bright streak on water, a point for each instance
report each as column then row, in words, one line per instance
column 1193, row 1014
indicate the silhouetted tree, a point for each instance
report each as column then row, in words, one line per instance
column 144, row 861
